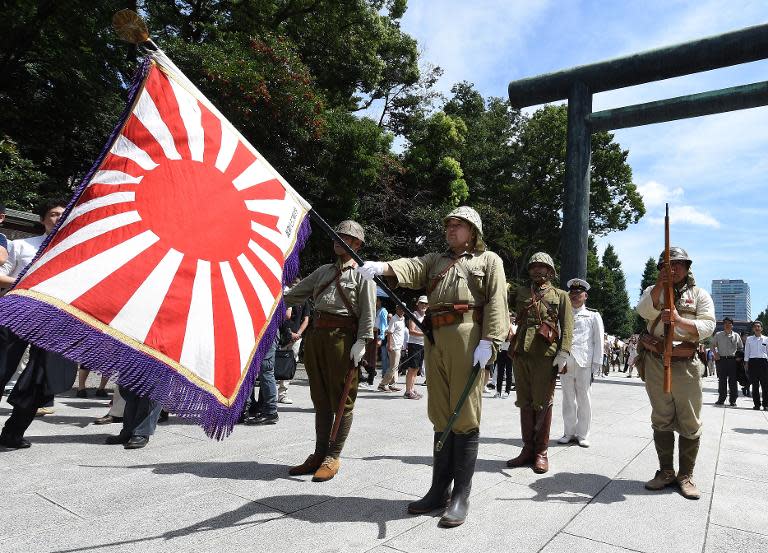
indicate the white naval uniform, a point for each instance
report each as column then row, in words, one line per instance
column 586, row 351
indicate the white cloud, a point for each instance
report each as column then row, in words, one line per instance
column 472, row 41
column 688, row 214
column 655, row 194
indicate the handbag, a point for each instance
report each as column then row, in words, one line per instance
column 285, row 364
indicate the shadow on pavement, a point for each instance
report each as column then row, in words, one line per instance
column 346, row 509
column 234, row 470
column 482, row 465
column 751, row 430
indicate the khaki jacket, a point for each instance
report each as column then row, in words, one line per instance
column 477, row 279
column 527, row 339
column 694, row 303
column 360, row 293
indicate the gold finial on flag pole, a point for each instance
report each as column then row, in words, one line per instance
column 130, row 27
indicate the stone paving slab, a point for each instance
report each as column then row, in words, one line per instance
column 185, row 493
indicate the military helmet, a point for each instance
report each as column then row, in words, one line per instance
column 675, row 254
column 468, row 214
column 542, row 257
column 351, row 228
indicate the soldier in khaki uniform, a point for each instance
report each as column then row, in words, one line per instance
column 466, row 292
column 540, row 351
column 345, row 305
column 693, row 318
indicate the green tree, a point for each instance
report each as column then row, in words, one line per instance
column 616, row 311
column 650, row 274
column 763, row 317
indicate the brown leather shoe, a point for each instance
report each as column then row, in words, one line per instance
column 687, row 488
column 309, row 466
column 327, row 470
column 661, row 480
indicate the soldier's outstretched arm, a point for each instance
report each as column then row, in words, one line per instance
column 303, row 290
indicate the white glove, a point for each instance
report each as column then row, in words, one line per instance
column 561, row 359
column 357, row 352
column 596, row 368
column 483, row 353
column 371, row 269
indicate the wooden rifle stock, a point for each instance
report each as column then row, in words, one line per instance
column 669, row 302
column 343, row 399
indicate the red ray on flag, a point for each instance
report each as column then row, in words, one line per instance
column 168, row 266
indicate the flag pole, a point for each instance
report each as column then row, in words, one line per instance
column 317, row 218
column 132, row 28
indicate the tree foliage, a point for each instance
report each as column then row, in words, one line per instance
column 295, row 77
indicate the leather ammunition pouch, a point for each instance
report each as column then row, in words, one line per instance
column 683, row 350
column 548, row 331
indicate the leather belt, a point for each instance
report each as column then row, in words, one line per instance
column 321, row 319
column 454, row 314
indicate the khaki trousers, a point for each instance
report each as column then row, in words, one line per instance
column 680, row 410
column 449, row 364
column 326, row 359
column 534, row 380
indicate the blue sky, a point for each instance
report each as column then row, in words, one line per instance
column 710, row 169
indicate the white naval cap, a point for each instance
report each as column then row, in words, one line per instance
column 579, row 282
column 422, row 299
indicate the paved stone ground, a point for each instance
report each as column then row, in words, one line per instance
column 183, row 492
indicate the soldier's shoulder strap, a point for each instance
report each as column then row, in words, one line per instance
column 321, row 289
column 593, row 310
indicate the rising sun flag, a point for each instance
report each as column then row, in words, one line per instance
column 167, row 269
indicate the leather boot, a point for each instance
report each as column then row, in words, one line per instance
column 323, row 422
column 541, row 440
column 689, row 449
column 527, row 418
column 465, row 448
column 665, row 450
column 442, row 476
column 341, row 436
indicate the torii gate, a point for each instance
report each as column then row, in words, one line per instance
column 578, row 84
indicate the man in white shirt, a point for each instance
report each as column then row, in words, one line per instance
column 725, row 344
column 26, row 404
column 584, row 360
column 756, row 358
column 395, row 340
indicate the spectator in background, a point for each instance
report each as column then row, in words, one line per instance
column 297, row 319
column 82, row 376
column 380, row 325
column 725, row 344
column 266, row 407
column 416, row 350
column 395, row 340
column 631, row 354
column 504, row 362
column 756, row 357
column 21, row 252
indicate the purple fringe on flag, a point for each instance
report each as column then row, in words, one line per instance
column 56, row 330
column 53, row 329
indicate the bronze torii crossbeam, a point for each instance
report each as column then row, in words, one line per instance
column 578, row 84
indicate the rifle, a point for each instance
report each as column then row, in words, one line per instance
column 343, row 399
column 669, row 302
